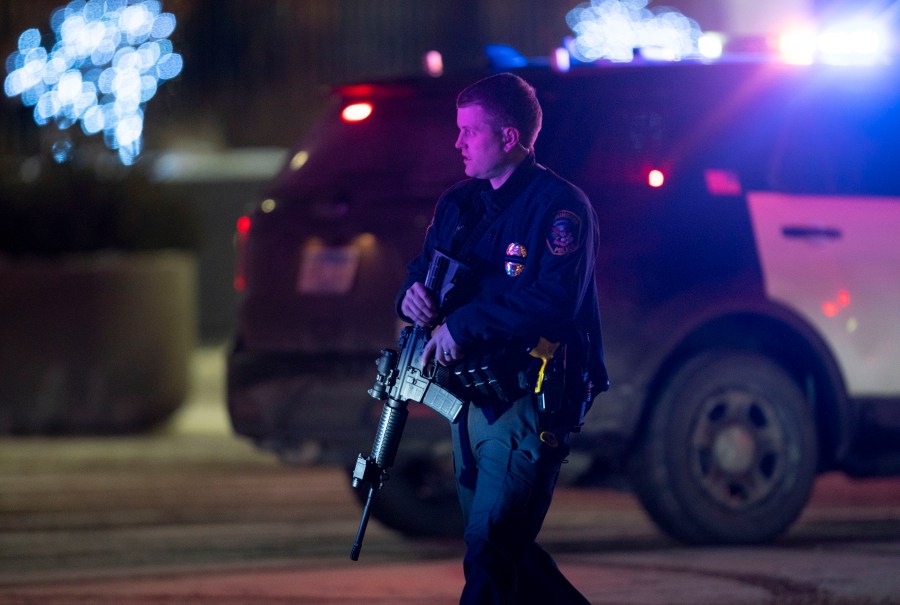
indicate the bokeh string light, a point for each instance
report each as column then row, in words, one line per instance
column 613, row 29
column 108, row 61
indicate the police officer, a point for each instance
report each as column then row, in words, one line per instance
column 529, row 239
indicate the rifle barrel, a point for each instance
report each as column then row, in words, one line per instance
column 363, row 523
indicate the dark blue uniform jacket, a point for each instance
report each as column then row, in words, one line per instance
column 532, row 268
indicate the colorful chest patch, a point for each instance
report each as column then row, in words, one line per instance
column 515, row 259
column 565, row 233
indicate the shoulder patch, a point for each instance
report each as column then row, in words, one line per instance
column 565, row 233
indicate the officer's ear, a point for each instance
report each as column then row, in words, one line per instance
column 510, row 137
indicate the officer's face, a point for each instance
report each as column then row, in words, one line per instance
column 481, row 144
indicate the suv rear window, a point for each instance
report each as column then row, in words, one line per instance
column 406, row 146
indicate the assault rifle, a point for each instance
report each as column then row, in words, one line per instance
column 402, row 379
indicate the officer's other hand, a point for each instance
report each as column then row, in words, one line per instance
column 441, row 347
column 420, row 305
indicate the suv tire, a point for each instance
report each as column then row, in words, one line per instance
column 729, row 452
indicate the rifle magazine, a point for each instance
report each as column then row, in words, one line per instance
column 443, row 402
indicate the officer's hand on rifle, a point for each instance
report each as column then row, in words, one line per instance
column 420, row 305
column 441, row 347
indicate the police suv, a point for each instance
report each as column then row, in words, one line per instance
column 749, row 275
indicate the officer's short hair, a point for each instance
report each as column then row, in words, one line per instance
column 509, row 101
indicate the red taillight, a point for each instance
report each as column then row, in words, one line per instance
column 656, row 178
column 240, row 261
column 356, row 112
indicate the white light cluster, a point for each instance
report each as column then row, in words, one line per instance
column 854, row 43
column 613, row 29
column 108, row 60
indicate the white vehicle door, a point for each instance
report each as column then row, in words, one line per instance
column 835, row 260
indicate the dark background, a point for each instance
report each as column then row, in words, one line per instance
column 254, row 69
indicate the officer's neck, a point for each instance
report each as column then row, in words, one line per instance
column 514, row 157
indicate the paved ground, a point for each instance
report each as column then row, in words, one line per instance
column 666, row 577
column 192, row 515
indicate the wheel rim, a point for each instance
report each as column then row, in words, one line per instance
column 738, row 448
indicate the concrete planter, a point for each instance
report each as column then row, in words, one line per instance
column 95, row 343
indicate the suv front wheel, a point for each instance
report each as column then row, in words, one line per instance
column 729, row 452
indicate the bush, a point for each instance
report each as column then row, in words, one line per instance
column 69, row 209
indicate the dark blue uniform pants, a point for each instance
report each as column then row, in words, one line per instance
column 505, row 478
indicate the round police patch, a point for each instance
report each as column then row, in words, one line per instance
column 565, row 233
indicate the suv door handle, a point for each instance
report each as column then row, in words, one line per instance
column 804, row 232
